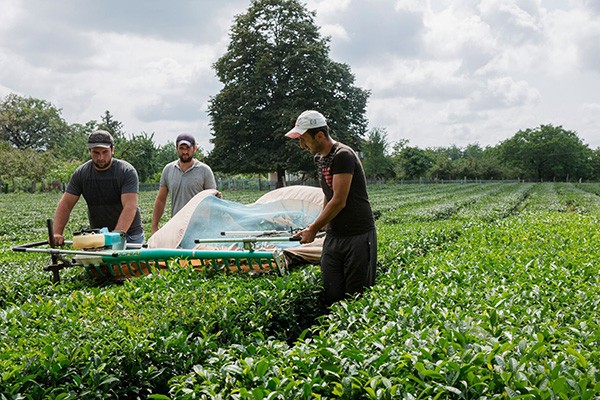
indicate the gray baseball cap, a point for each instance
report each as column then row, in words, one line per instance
column 185, row 138
column 100, row 138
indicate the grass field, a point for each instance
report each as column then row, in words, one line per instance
column 485, row 290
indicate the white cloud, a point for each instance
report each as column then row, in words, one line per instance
column 327, row 9
column 514, row 21
column 336, row 32
column 371, row 30
column 435, row 81
column 458, row 36
column 592, row 5
column 573, row 40
column 420, row 6
column 11, row 12
column 504, row 93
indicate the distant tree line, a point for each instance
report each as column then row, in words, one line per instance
column 545, row 153
column 39, row 150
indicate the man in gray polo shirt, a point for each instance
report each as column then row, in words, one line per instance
column 183, row 178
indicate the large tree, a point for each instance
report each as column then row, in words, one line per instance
column 411, row 162
column 547, row 152
column 25, row 164
column 141, row 152
column 595, row 164
column 472, row 162
column 115, row 128
column 74, row 147
column 276, row 66
column 29, row 123
column 377, row 163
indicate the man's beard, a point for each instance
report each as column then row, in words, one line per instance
column 102, row 167
column 186, row 159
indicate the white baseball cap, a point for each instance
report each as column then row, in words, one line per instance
column 307, row 120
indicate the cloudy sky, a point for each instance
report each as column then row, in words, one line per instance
column 441, row 72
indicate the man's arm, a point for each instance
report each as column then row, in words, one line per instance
column 210, row 182
column 61, row 216
column 159, row 207
column 341, row 188
column 209, row 179
column 130, row 205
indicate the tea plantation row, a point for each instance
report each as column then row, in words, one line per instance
column 484, row 291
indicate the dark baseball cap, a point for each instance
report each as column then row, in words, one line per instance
column 100, row 138
column 185, row 138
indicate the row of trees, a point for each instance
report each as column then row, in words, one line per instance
column 39, row 148
column 277, row 65
column 544, row 153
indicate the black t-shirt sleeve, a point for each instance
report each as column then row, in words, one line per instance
column 343, row 163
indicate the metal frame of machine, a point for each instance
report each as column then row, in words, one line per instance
column 124, row 263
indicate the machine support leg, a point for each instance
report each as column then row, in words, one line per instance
column 55, row 273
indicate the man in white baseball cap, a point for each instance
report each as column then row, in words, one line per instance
column 307, row 120
column 349, row 255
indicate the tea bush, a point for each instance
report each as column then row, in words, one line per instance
column 132, row 338
column 507, row 310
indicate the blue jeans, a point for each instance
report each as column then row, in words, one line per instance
column 135, row 239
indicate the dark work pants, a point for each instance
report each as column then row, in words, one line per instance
column 348, row 265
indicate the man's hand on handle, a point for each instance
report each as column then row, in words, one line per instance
column 59, row 240
column 307, row 235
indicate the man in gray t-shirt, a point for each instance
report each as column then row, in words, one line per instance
column 183, row 178
column 110, row 189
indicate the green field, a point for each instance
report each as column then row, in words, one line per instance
column 487, row 290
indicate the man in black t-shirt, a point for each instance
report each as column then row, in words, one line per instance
column 110, row 189
column 349, row 255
